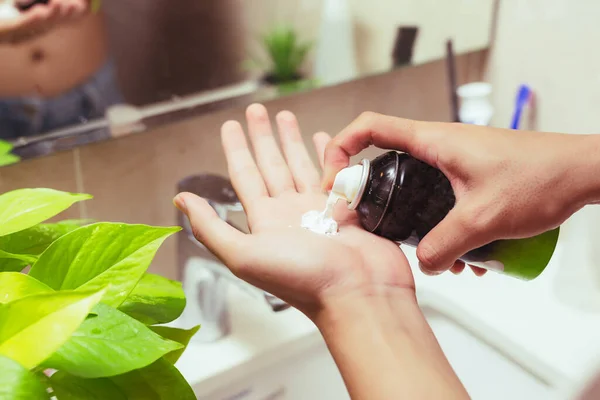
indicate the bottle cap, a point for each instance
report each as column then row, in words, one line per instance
column 350, row 183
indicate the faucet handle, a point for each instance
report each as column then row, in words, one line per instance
column 215, row 189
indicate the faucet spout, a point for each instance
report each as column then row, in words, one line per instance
column 205, row 279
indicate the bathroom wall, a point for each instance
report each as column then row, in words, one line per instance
column 164, row 48
column 552, row 45
column 134, row 178
column 376, row 22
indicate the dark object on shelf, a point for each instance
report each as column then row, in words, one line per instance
column 24, row 5
column 404, row 45
column 451, row 68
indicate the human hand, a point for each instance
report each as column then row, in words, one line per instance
column 508, row 184
column 305, row 269
column 40, row 18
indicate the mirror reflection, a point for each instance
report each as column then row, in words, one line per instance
column 56, row 69
column 65, row 63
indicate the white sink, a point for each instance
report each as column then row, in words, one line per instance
column 489, row 366
column 281, row 356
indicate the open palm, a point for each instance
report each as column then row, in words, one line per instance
column 299, row 266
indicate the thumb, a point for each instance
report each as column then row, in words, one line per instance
column 382, row 131
column 451, row 239
column 222, row 239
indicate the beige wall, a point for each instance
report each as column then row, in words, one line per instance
column 551, row 45
column 376, row 21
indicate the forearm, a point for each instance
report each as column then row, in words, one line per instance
column 583, row 158
column 385, row 349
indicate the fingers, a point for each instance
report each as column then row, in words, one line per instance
column 304, row 173
column 243, row 172
column 223, row 240
column 452, row 238
column 271, row 164
column 458, row 267
column 478, row 271
column 383, row 131
column 320, row 140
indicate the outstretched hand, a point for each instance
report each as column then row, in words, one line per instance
column 305, row 269
column 41, row 18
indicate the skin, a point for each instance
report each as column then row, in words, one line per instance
column 71, row 39
column 508, row 184
column 358, row 288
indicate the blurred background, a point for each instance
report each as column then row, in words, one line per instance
column 126, row 102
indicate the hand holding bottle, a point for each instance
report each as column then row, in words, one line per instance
column 508, row 184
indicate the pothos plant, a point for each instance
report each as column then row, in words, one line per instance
column 85, row 321
column 6, row 157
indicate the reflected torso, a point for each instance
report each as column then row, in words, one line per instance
column 55, row 62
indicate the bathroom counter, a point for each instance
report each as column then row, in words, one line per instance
column 529, row 314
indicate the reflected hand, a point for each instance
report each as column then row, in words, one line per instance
column 303, row 268
column 41, row 18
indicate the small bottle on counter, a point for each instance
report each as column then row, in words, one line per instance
column 401, row 198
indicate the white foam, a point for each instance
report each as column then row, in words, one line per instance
column 322, row 222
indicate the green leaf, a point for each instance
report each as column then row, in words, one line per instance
column 158, row 381
column 34, row 327
column 69, row 387
column 98, row 255
column 155, row 300
column 182, row 336
column 110, row 344
column 17, row 383
column 8, row 159
column 22, row 248
column 5, row 147
column 24, row 208
column 14, row 262
column 15, row 285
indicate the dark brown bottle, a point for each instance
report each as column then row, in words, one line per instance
column 402, row 198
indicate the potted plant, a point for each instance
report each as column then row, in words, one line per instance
column 85, row 320
column 286, row 55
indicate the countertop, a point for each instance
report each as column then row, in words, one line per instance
column 531, row 314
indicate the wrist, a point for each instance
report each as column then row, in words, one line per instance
column 584, row 170
column 384, row 348
column 386, row 312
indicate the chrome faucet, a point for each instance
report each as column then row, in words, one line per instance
column 206, row 286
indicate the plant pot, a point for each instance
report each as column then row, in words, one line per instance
column 297, row 84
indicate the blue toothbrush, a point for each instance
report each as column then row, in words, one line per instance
column 524, row 96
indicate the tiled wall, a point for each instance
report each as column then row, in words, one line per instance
column 134, row 178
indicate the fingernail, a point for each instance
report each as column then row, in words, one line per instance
column 428, row 272
column 179, row 202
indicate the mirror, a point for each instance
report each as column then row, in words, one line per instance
column 79, row 71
